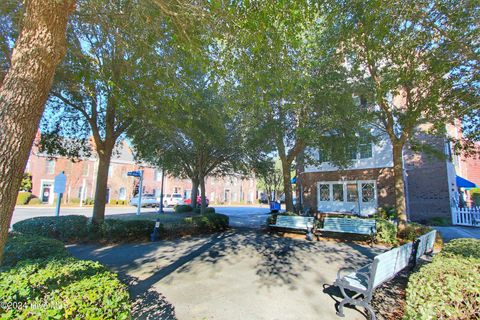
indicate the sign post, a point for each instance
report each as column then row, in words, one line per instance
column 59, row 187
column 139, row 174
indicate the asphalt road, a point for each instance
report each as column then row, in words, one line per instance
column 244, row 217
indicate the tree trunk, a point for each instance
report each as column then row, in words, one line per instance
column 23, row 92
column 104, row 157
column 202, row 192
column 399, row 187
column 287, row 184
column 194, row 194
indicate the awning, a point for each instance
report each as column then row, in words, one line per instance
column 464, row 183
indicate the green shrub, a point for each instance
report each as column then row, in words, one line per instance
column 447, row 288
column 24, row 246
column 475, row 195
column 386, row 232
column 414, row 230
column 272, row 219
column 201, row 224
column 439, row 221
column 88, row 201
column 65, row 228
column 117, row 230
column 35, row 201
column 465, row 247
column 183, row 208
column 65, row 288
column 210, row 210
column 23, row 197
column 74, row 201
column 387, row 212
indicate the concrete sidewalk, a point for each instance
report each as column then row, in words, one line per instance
column 454, row 232
column 233, row 275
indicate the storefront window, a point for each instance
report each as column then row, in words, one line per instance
column 368, row 192
column 337, row 192
column 324, row 192
column 352, row 192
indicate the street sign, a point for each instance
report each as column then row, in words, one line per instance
column 133, row 173
column 60, row 183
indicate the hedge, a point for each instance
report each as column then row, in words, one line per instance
column 117, row 230
column 66, row 228
column 448, row 287
column 183, row 208
column 64, row 288
column 24, row 246
column 23, row 197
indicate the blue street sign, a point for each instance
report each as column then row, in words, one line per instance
column 133, row 173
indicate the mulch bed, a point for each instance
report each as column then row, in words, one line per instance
column 389, row 299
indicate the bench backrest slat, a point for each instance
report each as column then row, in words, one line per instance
column 403, row 257
column 364, row 226
column 425, row 243
column 294, row 222
column 383, row 267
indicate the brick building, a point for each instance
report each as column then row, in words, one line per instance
column 81, row 180
column 368, row 182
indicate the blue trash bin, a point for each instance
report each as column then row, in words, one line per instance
column 274, row 206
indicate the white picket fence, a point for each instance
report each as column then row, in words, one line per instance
column 466, row 216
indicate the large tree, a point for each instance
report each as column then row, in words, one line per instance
column 289, row 87
column 23, row 91
column 192, row 132
column 106, row 76
column 419, row 61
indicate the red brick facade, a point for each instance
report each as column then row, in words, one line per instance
column 81, row 177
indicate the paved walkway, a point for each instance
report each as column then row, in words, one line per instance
column 232, row 275
column 449, row 233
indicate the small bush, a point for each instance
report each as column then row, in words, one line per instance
column 183, row 208
column 69, row 288
column 65, row 228
column 387, row 212
column 414, row 230
column 74, row 201
column 386, row 232
column 438, row 221
column 210, row 210
column 23, row 198
column 35, row 201
column 272, row 219
column 475, row 195
column 88, row 202
column 448, row 287
column 23, row 246
column 117, row 230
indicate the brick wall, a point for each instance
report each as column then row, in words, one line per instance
column 383, row 177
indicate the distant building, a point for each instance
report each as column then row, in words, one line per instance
column 430, row 183
column 81, row 180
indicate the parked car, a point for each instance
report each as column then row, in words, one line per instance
column 148, row 200
column 199, row 201
column 174, row 199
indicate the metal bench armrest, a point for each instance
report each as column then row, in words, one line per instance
column 342, row 270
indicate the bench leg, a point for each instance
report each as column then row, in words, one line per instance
column 363, row 302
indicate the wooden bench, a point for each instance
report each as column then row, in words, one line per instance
column 364, row 280
column 350, row 225
column 293, row 222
